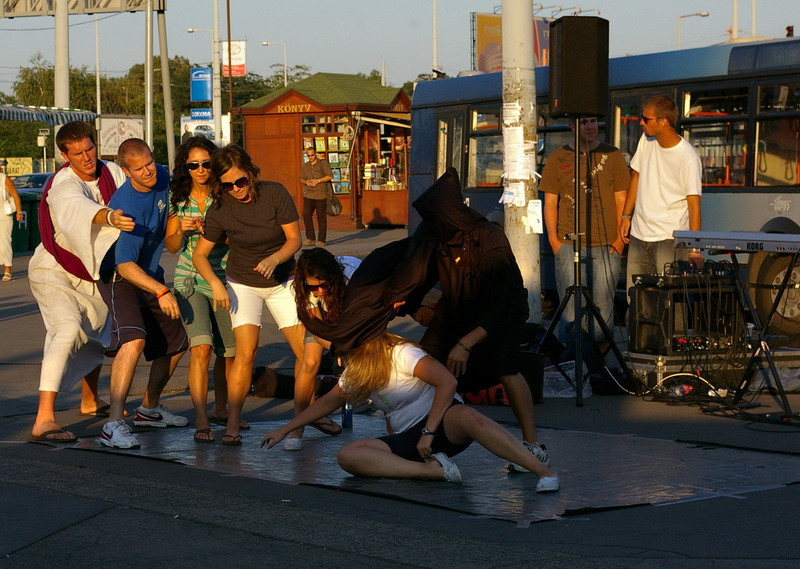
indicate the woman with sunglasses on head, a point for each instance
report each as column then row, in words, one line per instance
column 319, row 284
column 209, row 329
column 259, row 222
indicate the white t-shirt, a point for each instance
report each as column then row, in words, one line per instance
column 406, row 400
column 666, row 177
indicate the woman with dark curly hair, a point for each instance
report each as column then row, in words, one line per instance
column 319, row 284
column 259, row 221
column 209, row 329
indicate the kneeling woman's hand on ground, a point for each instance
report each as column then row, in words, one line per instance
column 274, row 437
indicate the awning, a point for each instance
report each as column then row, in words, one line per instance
column 377, row 120
column 48, row 115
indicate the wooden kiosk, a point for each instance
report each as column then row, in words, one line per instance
column 361, row 128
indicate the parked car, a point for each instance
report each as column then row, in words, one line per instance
column 32, row 183
column 205, row 131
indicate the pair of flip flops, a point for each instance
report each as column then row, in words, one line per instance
column 50, row 437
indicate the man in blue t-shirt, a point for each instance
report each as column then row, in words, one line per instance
column 144, row 313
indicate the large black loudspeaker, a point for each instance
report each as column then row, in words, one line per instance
column 578, row 67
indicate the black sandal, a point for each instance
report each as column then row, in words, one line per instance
column 201, row 439
column 232, row 440
column 327, row 426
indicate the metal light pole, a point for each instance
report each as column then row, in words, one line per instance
column 678, row 22
column 148, row 75
column 285, row 49
column 61, row 67
column 216, row 86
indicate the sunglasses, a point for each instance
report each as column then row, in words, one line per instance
column 240, row 183
column 316, row 287
column 206, row 164
column 648, row 119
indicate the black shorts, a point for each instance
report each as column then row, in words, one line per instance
column 135, row 314
column 488, row 362
column 404, row 444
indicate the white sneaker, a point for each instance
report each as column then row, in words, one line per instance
column 293, row 444
column 548, row 484
column 537, row 450
column 159, row 417
column 117, row 434
column 451, row 470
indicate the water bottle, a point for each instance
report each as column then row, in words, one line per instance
column 347, row 415
column 681, row 390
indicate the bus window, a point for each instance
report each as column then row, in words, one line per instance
column 784, row 97
column 441, row 147
column 722, row 151
column 485, row 161
column 715, row 102
column 485, row 155
column 628, row 131
column 449, row 141
column 777, row 152
column 485, row 120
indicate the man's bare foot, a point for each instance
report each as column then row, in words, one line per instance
column 98, row 408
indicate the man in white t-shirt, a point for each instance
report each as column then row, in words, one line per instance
column 664, row 193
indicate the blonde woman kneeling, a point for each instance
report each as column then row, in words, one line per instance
column 426, row 419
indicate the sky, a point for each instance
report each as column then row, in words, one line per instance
column 350, row 36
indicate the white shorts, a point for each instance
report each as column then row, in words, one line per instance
column 247, row 304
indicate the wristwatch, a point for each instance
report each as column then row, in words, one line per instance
column 425, row 431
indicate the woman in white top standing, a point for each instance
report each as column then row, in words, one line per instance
column 426, row 420
column 10, row 195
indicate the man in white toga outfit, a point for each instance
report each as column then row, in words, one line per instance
column 77, row 229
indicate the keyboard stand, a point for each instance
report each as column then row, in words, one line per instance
column 760, row 329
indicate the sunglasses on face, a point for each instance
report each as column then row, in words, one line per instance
column 240, row 183
column 316, row 287
column 206, row 164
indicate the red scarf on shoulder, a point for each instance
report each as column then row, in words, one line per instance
column 71, row 262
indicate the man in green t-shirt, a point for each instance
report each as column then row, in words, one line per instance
column 316, row 176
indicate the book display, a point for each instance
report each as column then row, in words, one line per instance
column 328, row 135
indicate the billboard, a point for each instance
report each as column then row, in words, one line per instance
column 238, row 49
column 114, row 130
column 205, row 128
column 17, row 9
column 200, row 84
column 487, row 31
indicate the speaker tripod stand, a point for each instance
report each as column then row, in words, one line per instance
column 579, row 292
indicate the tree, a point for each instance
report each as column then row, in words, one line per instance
column 408, row 86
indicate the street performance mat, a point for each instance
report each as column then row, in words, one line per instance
column 598, row 471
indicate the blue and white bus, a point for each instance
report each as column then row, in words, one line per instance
column 740, row 108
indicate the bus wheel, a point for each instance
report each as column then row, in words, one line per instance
column 769, row 269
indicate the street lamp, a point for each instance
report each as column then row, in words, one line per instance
column 285, row 49
column 703, row 14
column 216, row 91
